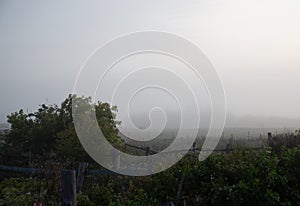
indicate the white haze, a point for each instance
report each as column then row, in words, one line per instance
column 254, row 45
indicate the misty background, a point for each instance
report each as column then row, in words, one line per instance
column 254, row 46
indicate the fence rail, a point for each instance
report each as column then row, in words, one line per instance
column 20, row 169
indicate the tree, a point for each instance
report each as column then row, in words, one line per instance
column 49, row 132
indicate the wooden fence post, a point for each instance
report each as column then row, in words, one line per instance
column 228, row 148
column 179, row 188
column 117, row 156
column 270, row 139
column 80, row 176
column 147, row 151
column 68, row 187
column 149, row 160
column 194, row 147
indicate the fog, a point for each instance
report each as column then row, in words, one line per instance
column 253, row 45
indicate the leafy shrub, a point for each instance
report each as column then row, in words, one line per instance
column 244, row 177
column 16, row 192
column 83, row 200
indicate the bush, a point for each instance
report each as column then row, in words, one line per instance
column 243, row 177
column 16, row 192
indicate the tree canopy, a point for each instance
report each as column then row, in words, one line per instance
column 49, row 132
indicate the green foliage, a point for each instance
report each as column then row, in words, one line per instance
column 49, row 132
column 244, row 177
column 19, row 136
column 16, row 192
column 83, row 200
column 26, row 191
column 122, row 190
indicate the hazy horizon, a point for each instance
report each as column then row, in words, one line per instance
column 253, row 45
column 232, row 121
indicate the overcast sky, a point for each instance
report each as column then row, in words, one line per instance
column 254, row 46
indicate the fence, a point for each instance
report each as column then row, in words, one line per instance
column 72, row 181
